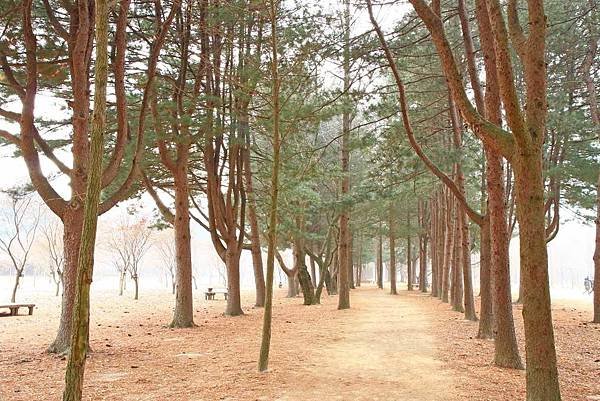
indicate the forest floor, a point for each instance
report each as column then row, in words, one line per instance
column 408, row 347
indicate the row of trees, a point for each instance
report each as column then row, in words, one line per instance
column 282, row 123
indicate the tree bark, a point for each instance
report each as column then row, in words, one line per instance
column 379, row 259
column 470, row 313
column 73, row 225
column 448, row 245
column 457, row 273
column 506, row 349
column 392, row 239
column 136, row 295
column 351, row 260
column 486, row 322
column 232, row 264
column 345, row 252
column 441, row 226
column 422, row 248
column 183, row 315
column 409, row 266
column 81, row 309
column 263, row 361
column 292, row 288
column 308, row 291
column 13, row 296
column 542, row 373
column 597, row 258
column 433, row 230
column 259, row 278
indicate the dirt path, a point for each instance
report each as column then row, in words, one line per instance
column 381, row 349
column 381, row 352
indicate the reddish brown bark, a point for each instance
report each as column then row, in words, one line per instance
column 448, row 246
column 392, row 244
column 486, row 322
column 379, row 259
column 422, row 247
column 433, row 234
column 345, row 250
column 257, row 264
column 506, row 349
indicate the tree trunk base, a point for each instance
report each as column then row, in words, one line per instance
column 238, row 312
column 182, row 325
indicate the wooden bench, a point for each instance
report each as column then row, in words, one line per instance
column 210, row 293
column 14, row 308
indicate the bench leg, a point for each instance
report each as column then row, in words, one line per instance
column 14, row 311
column 30, row 310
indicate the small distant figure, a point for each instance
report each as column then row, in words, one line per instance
column 588, row 284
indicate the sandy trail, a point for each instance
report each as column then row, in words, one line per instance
column 382, row 352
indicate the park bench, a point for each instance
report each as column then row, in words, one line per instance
column 210, row 293
column 14, row 308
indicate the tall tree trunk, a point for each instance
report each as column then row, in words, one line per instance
column 433, row 228
column 441, row 225
column 448, row 245
column 81, row 309
column 506, row 349
column 308, row 291
column 457, row 274
column 392, row 244
column 409, row 266
column 486, row 322
column 505, row 344
column 597, row 258
column 379, row 259
column 263, row 361
column 422, row 248
column 345, row 250
column 542, row 373
column 183, row 315
column 463, row 224
column 359, row 266
column 423, row 264
column 259, row 278
column 330, row 277
column 351, row 260
column 232, row 264
column 73, row 225
column 470, row 313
